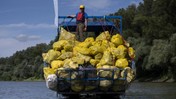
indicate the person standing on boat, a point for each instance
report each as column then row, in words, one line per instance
column 81, row 22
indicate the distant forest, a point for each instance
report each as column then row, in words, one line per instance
column 149, row 27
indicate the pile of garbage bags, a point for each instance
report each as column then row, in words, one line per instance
column 108, row 57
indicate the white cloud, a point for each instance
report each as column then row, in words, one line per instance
column 30, row 26
column 24, row 31
column 24, row 38
column 34, row 37
column 14, row 37
column 10, row 46
column 136, row 2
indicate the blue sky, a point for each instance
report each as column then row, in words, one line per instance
column 25, row 23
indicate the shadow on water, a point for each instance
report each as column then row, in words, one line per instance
column 145, row 91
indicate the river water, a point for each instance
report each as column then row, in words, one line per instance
column 38, row 90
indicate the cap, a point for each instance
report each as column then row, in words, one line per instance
column 81, row 7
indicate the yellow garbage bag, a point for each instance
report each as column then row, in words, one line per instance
column 51, row 55
column 76, row 43
column 122, row 63
column 74, row 75
column 89, row 39
column 59, row 45
column 69, row 46
column 44, row 56
column 107, row 67
column 63, row 51
column 84, row 57
column 104, row 36
column 55, row 64
column 94, row 62
column 126, row 43
column 73, row 65
column 108, row 72
column 95, row 50
column 75, row 50
column 105, row 84
column 105, row 74
column 47, row 71
column 65, row 55
column 111, row 44
column 67, row 63
column 65, row 35
column 107, row 44
column 117, row 40
column 89, row 88
column 131, row 52
column 62, row 73
column 104, row 47
column 107, row 58
column 77, row 85
column 84, row 44
column 130, row 74
column 82, row 50
column 99, row 66
column 77, row 60
column 119, row 52
column 97, row 43
column 98, row 56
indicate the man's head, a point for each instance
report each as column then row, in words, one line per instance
column 82, row 7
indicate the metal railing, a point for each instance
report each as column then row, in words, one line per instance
column 106, row 19
column 90, row 77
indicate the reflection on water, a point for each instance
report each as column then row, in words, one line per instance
column 38, row 90
column 25, row 90
column 151, row 91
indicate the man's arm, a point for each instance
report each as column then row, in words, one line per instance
column 71, row 16
column 86, row 22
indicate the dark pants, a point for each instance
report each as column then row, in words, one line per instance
column 79, row 32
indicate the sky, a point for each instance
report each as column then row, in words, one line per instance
column 25, row 23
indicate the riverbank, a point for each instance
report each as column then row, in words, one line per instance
column 34, row 79
column 159, row 80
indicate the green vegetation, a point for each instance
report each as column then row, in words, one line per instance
column 24, row 65
column 150, row 28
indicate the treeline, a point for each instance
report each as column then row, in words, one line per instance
column 151, row 30
column 25, row 64
column 149, row 27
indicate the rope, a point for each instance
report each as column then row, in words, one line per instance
column 106, row 20
column 101, row 25
column 68, row 23
column 111, row 30
column 103, row 29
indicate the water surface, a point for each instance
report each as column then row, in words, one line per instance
column 38, row 90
